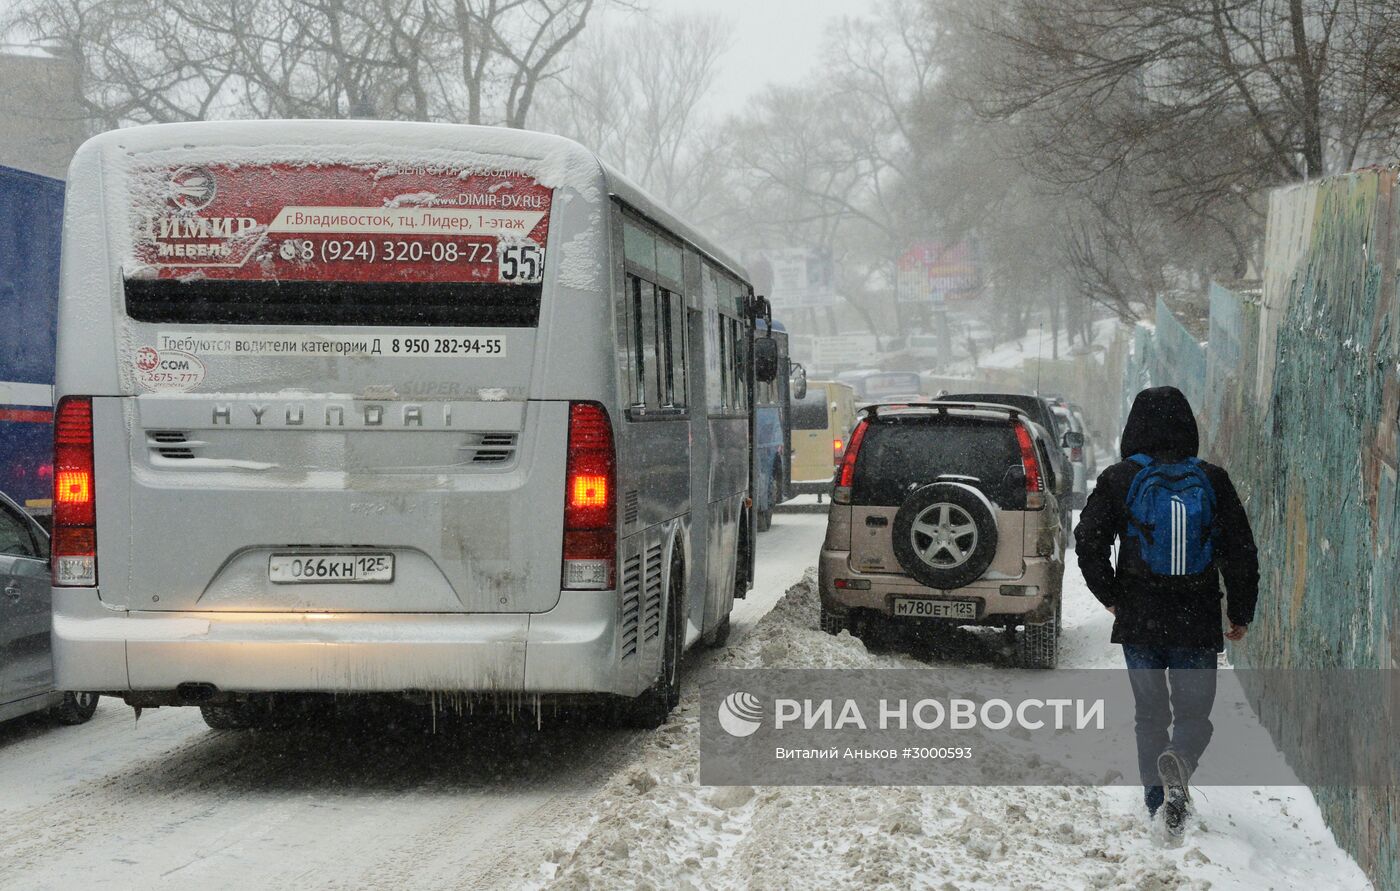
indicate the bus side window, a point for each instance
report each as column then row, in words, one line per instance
column 725, row 370
column 676, row 327
column 653, row 347
column 660, row 348
column 639, row 367
column 739, row 393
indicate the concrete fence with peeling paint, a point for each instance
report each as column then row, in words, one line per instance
column 1297, row 390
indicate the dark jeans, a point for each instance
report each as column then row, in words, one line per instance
column 1173, row 687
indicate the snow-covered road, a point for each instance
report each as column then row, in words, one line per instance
column 166, row 802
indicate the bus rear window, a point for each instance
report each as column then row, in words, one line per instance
column 214, row 301
column 810, row 413
column 303, row 243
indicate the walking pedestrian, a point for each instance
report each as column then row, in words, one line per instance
column 1180, row 527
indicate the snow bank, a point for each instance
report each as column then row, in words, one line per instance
column 657, row 828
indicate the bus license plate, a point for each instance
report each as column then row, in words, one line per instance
column 305, row 568
column 935, row 609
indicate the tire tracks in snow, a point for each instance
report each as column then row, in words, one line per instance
column 168, row 803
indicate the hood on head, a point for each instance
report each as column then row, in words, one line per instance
column 1160, row 424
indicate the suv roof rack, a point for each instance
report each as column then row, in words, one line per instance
column 873, row 410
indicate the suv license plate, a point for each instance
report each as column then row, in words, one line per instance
column 309, row 568
column 935, row 609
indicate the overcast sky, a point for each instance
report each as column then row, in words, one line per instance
column 775, row 40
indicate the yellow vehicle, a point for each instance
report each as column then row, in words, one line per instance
column 820, row 424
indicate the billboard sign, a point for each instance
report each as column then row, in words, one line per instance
column 938, row 271
column 802, row 278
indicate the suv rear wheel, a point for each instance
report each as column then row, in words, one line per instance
column 1038, row 646
column 833, row 622
column 945, row 535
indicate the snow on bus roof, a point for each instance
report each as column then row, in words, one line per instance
column 621, row 186
column 553, row 161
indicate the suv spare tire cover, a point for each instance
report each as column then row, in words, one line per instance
column 945, row 534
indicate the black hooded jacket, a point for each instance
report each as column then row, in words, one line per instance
column 1165, row 611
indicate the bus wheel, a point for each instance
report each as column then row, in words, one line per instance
column 653, row 707
column 233, row 716
column 741, row 562
column 765, row 517
column 719, row 636
column 76, row 708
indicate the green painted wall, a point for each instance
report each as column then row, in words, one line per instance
column 1298, row 398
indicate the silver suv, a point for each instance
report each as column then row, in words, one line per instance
column 948, row 512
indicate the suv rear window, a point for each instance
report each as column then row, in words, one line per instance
column 901, row 454
column 1034, row 406
column 810, row 412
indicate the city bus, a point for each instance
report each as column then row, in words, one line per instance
column 31, row 217
column 354, row 407
column 772, row 428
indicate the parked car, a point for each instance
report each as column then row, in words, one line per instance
column 1037, row 408
column 1091, row 457
column 26, row 657
column 1072, row 441
column 821, row 422
column 948, row 513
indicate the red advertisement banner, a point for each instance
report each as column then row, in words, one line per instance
column 340, row 223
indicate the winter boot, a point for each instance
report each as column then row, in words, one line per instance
column 1153, row 796
column 1174, row 774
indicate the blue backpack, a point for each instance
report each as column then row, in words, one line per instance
column 1171, row 509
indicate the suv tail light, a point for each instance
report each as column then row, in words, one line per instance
column 1030, row 464
column 1076, row 454
column 590, row 520
column 74, row 545
column 846, row 471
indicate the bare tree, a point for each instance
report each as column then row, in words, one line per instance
column 834, row 163
column 477, row 61
column 637, row 96
column 1188, row 109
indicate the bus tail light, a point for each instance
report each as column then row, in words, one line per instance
column 590, row 491
column 1030, row 465
column 837, row 447
column 846, row 470
column 74, row 545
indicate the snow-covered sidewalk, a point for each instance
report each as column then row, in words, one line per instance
column 656, row 827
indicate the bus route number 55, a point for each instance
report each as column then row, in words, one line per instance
column 520, row 263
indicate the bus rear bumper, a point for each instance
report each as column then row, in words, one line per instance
column 570, row 649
